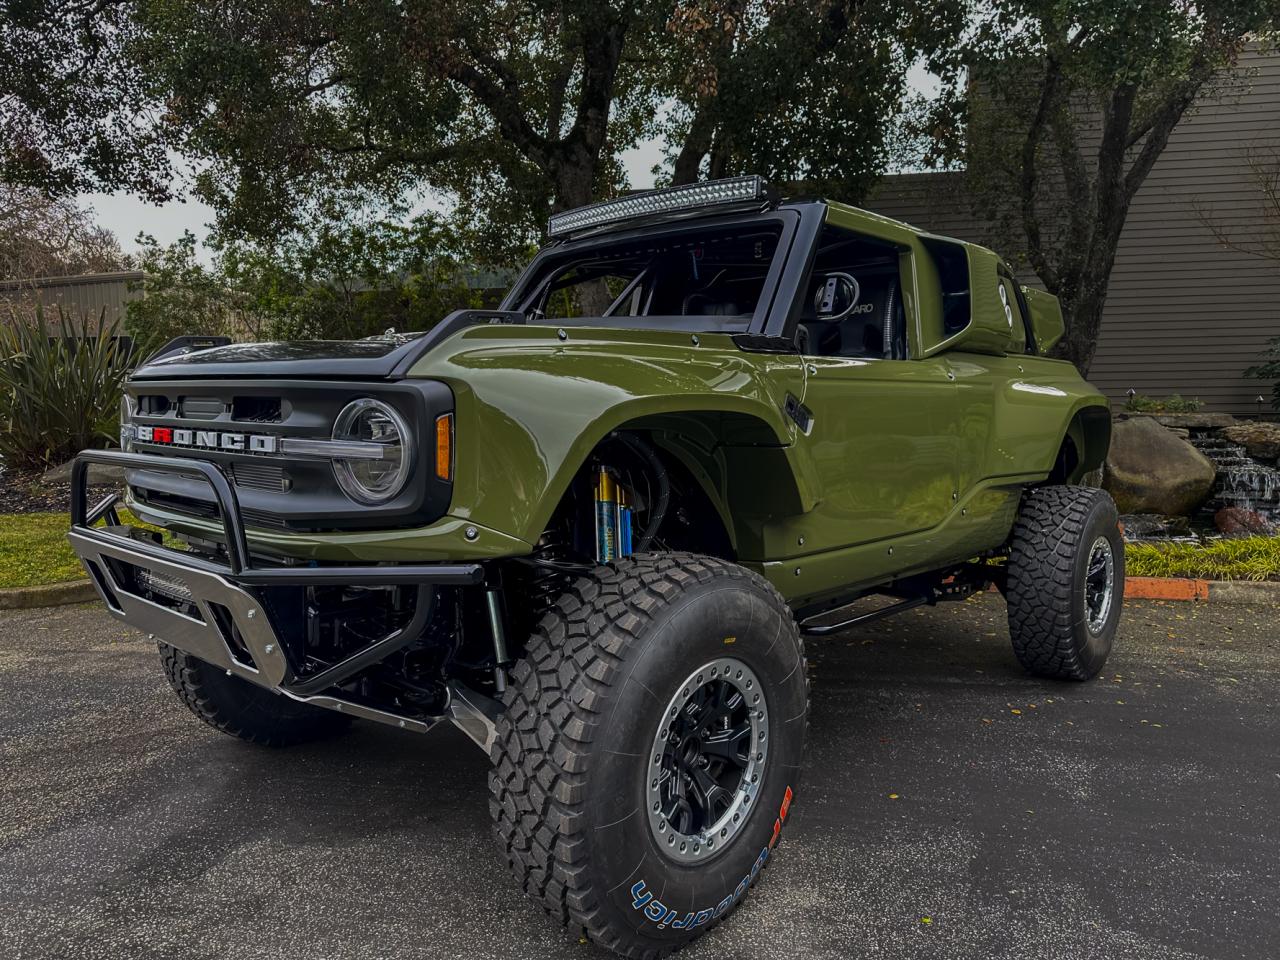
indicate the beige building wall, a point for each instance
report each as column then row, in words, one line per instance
column 79, row 296
column 1184, row 314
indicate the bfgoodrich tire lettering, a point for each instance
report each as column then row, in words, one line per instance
column 573, row 757
column 1066, row 581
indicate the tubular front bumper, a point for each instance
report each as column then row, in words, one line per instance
column 229, row 615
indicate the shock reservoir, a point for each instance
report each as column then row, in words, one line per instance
column 613, row 517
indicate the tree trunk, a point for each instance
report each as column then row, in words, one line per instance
column 697, row 144
column 574, row 179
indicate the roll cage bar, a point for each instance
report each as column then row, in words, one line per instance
column 778, row 308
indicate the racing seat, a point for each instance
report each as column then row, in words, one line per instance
column 861, row 333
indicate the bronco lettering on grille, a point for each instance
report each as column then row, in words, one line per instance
column 208, row 439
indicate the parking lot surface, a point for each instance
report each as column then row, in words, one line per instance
column 952, row 807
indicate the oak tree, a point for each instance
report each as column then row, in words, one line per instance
column 1071, row 103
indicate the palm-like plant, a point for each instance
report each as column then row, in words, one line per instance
column 59, row 390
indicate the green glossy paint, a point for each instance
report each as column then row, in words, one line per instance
column 909, row 465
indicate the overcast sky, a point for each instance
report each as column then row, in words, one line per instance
column 127, row 216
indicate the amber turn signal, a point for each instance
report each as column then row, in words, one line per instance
column 444, row 446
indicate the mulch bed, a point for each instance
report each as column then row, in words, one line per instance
column 23, row 492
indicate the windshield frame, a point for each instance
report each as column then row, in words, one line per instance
column 553, row 258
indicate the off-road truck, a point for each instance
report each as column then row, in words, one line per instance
column 591, row 527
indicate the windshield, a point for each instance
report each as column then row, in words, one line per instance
column 712, row 278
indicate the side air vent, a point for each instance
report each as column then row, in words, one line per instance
column 256, row 409
column 153, row 405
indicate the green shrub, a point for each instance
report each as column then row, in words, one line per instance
column 1246, row 558
column 182, row 296
column 1171, row 404
column 60, row 391
column 339, row 280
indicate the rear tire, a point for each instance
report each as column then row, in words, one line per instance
column 238, row 708
column 655, row 670
column 1066, row 581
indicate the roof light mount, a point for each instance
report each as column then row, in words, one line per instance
column 685, row 199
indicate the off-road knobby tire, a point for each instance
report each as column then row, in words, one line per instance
column 240, row 709
column 570, row 762
column 1049, row 555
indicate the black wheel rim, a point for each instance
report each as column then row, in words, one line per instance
column 1099, row 584
column 707, row 758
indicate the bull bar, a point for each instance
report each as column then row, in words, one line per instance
column 228, row 606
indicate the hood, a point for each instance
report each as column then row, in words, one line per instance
column 376, row 357
column 384, row 357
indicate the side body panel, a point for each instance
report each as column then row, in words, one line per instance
column 884, row 444
column 922, row 462
column 1009, row 415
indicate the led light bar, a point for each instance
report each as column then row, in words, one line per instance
column 169, row 587
column 671, row 200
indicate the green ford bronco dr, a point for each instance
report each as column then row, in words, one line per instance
column 591, row 528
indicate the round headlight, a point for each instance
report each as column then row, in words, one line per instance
column 127, row 429
column 365, row 479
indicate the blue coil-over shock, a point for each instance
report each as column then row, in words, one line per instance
column 613, row 517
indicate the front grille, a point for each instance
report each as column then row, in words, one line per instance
column 239, row 424
column 206, row 511
column 200, row 408
column 259, row 476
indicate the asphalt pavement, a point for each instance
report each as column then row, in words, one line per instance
column 952, row 807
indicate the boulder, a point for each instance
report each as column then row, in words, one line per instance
column 1147, row 526
column 1192, row 421
column 1150, row 470
column 1260, row 439
column 1239, row 522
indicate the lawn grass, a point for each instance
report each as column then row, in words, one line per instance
column 34, row 549
column 1248, row 558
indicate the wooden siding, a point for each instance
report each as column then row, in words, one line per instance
column 1183, row 315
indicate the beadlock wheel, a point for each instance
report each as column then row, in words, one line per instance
column 708, row 753
column 650, row 748
column 1100, row 581
column 1066, row 573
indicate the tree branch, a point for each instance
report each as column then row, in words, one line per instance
column 1028, row 181
column 1161, row 124
column 513, row 123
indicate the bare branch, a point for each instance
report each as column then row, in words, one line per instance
column 1028, row 181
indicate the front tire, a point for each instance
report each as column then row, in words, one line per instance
column 649, row 749
column 240, row 709
column 1066, row 581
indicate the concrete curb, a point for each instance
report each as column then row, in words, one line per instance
column 1245, row 591
column 47, row 595
column 1217, row 591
